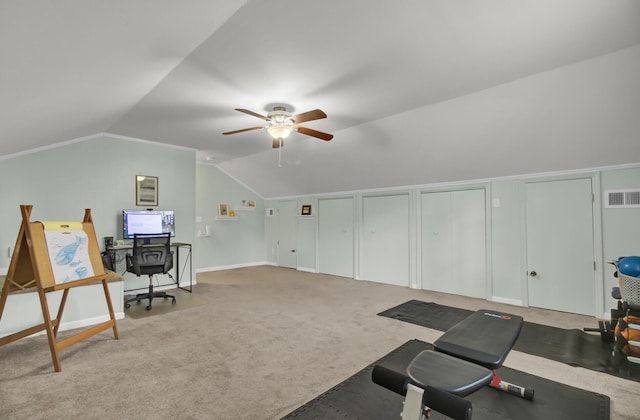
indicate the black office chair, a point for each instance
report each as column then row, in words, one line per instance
column 151, row 255
column 107, row 260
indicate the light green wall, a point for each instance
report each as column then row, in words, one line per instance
column 506, row 270
column 99, row 173
column 271, row 232
column 306, row 234
column 507, row 241
column 96, row 173
column 620, row 227
column 230, row 242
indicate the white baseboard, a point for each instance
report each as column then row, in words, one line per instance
column 508, row 301
column 82, row 323
column 252, row 264
column 88, row 321
column 232, row 266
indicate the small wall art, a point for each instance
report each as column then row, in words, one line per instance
column 146, row 190
column 223, row 209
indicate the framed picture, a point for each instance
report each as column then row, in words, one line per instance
column 223, row 209
column 248, row 204
column 306, row 210
column 146, row 190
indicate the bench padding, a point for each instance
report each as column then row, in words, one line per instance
column 484, row 338
column 439, row 370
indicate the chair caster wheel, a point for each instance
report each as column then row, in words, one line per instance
column 148, row 307
column 127, row 305
column 173, row 302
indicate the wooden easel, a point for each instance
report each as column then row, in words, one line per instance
column 30, row 267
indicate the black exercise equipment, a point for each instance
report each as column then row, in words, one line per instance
column 627, row 318
column 464, row 359
column 606, row 330
column 624, row 327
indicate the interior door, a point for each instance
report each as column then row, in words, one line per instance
column 560, row 247
column 335, row 237
column 385, row 239
column 453, row 242
column 287, row 234
column 469, row 233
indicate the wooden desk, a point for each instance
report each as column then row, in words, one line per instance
column 118, row 252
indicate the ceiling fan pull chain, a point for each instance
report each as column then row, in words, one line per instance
column 280, row 156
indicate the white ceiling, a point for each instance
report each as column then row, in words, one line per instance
column 416, row 91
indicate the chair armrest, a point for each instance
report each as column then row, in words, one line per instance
column 168, row 263
column 133, row 265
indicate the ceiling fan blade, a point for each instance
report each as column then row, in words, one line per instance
column 314, row 133
column 316, row 114
column 278, row 143
column 246, row 111
column 243, row 130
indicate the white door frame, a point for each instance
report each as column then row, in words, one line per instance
column 597, row 236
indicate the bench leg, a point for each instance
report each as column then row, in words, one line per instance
column 413, row 407
column 498, row 383
column 420, row 401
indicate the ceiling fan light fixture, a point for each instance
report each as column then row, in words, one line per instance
column 279, row 131
column 280, row 124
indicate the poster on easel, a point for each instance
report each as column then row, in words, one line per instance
column 68, row 248
column 50, row 257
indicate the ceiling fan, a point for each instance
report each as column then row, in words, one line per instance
column 281, row 123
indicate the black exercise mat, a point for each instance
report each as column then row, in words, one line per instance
column 427, row 314
column 573, row 347
column 359, row 398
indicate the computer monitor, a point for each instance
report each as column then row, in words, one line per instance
column 147, row 221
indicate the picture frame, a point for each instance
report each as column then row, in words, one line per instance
column 306, row 210
column 147, row 190
column 248, row 204
column 223, row 209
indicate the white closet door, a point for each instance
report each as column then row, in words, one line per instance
column 437, row 242
column 468, row 230
column 336, row 236
column 453, row 242
column 560, row 245
column 385, row 247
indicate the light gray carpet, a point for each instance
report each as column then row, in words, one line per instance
column 267, row 341
column 161, row 306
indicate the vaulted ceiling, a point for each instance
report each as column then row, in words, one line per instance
column 416, row 91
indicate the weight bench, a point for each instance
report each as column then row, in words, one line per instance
column 463, row 360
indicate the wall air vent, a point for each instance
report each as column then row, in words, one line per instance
column 622, row 199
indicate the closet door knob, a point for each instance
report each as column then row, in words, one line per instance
column 533, row 274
